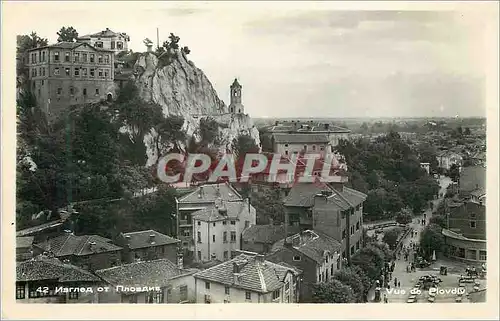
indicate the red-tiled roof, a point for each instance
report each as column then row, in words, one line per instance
column 43, row 268
column 255, row 274
column 141, row 239
column 70, row 244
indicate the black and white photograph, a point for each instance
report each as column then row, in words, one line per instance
column 251, row 152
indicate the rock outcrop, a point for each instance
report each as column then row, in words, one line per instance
column 183, row 89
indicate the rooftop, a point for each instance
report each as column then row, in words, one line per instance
column 70, row 244
column 312, row 244
column 23, row 242
column 267, row 234
column 43, row 268
column 69, row 46
column 39, row 228
column 142, row 239
column 156, row 273
column 307, row 127
column 254, row 273
column 472, row 178
column 209, row 193
column 107, row 33
column 232, row 210
column 303, row 194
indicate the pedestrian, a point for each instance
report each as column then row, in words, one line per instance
column 388, row 286
column 385, row 298
column 399, row 284
column 395, row 282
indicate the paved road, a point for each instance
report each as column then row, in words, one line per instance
column 408, row 279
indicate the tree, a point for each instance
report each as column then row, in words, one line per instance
column 147, row 42
column 431, row 239
column 439, row 220
column 26, row 42
column 186, row 50
column 467, row 131
column 244, row 144
column 371, row 260
column 268, row 204
column 67, row 34
column 365, row 280
column 349, row 277
column 391, row 237
column 333, row 292
column 454, row 172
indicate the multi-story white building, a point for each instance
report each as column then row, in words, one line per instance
column 107, row 40
column 247, row 279
column 217, row 230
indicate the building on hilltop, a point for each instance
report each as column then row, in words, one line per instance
column 70, row 73
column 107, row 40
column 248, row 279
column 235, row 106
column 316, row 254
column 218, row 229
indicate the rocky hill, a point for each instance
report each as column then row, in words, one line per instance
column 181, row 88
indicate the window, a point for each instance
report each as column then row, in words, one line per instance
column 98, row 44
column 199, row 255
column 314, row 147
column 183, row 292
column 207, row 285
column 199, row 223
column 20, row 291
column 67, row 71
column 59, row 91
column 38, row 290
column 85, row 91
column 84, row 57
column 226, row 255
column 233, row 222
column 76, row 57
column 286, row 152
column 352, row 250
column 154, row 297
column 482, row 255
column 247, row 224
column 248, row 295
column 213, row 238
column 84, row 72
column 227, row 290
column 286, row 145
column 97, row 91
column 77, row 72
column 73, row 295
column 473, row 216
column 43, row 82
column 343, row 234
column 106, row 59
column 40, row 71
column 186, row 233
column 472, row 224
column 43, row 56
column 224, row 237
column 39, row 92
column 331, row 269
column 100, row 73
column 224, row 222
column 99, row 59
column 357, row 245
column 276, row 294
column 66, row 56
column 322, row 148
column 296, row 258
column 199, row 237
column 287, row 286
column 319, row 277
column 43, row 70
column 71, row 91
column 56, row 56
column 233, row 237
column 92, row 58
column 213, row 224
column 207, row 299
column 112, row 45
column 357, row 226
column 338, row 264
column 119, row 45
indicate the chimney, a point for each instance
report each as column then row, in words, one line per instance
column 92, row 246
column 180, row 260
column 151, row 238
column 127, row 239
column 223, row 211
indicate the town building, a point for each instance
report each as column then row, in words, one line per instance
column 332, row 209
column 107, row 40
column 472, row 182
column 247, row 279
column 295, row 143
column 90, row 252
column 47, row 230
column 201, row 197
column 38, row 278
column 447, row 158
column 235, row 106
column 148, row 245
column 261, row 238
column 24, row 248
column 171, row 283
column 218, row 229
column 316, row 254
column 70, row 73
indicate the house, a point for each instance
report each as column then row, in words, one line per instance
column 200, row 198
column 70, row 73
column 24, row 248
column 41, row 279
column 332, row 209
column 108, row 40
column 287, row 144
column 448, row 158
column 43, row 231
column 472, row 180
column 91, row 252
column 154, row 282
column 218, row 229
column 316, row 254
column 148, row 245
column 247, row 279
column 261, row 238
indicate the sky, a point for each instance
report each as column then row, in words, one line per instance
column 307, row 59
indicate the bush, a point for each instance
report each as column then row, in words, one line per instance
column 391, row 237
column 431, row 239
column 333, row 292
column 350, row 278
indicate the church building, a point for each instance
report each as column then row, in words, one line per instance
column 235, row 106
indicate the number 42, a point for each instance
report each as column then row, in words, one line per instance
column 44, row 289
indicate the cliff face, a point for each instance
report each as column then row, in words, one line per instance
column 182, row 89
